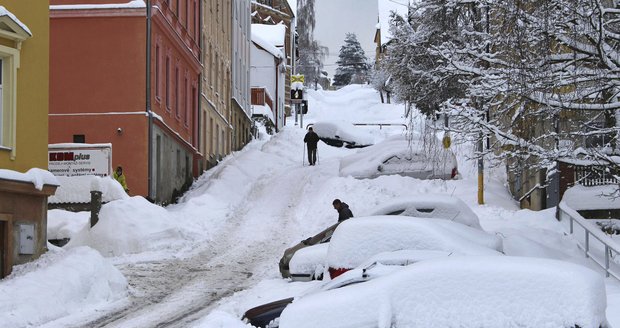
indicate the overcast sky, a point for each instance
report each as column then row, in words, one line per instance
column 334, row 18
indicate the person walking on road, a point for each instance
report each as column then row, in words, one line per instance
column 343, row 210
column 311, row 139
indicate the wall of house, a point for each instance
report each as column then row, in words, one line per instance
column 172, row 169
column 240, row 62
column 22, row 204
column 263, row 71
column 32, row 89
column 100, row 82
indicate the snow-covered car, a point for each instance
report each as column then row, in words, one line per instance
column 426, row 159
column 464, row 292
column 341, row 133
column 354, row 241
column 266, row 315
column 436, row 206
column 305, row 261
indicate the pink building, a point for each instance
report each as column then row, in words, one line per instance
column 103, row 91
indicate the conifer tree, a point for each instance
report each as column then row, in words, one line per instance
column 352, row 63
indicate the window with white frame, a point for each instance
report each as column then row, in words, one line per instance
column 1, row 101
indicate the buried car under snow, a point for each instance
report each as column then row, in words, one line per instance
column 308, row 262
column 354, row 241
column 420, row 159
column 267, row 315
column 340, row 133
column 463, row 292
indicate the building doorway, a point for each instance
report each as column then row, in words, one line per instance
column 4, row 251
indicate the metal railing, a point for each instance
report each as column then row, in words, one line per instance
column 605, row 253
column 380, row 125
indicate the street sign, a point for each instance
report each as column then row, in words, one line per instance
column 297, row 96
column 297, row 78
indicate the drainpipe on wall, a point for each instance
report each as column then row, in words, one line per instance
column 149, row 113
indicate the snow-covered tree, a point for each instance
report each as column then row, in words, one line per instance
column 411, row 59
column 311, row 53
column 352, row 62
column 528, row 73
column 380, row 80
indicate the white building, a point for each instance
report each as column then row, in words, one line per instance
column 268, row 66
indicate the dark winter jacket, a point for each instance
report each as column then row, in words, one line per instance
column 344, row 212
column 312, row 139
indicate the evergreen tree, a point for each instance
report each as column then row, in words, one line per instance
column 352, row 62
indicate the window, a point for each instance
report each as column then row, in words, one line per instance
column 195, row 27
column 8, row 109
column 187, row 14
column 157, row 77
column 1, row 103
column 185, row 95
column 168, row 83
column 79, row 138
column 176, row 92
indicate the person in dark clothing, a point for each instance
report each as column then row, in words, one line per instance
column 311, row 139
column 343, row 210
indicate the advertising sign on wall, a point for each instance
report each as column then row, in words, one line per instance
column 80, row 159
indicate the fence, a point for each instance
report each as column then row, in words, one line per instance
column 597, row 246
column 594, row 176
column 380, row 125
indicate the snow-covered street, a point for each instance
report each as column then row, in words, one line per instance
column 204, row 261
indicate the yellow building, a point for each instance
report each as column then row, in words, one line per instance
column 24, row 97
column 24, row 84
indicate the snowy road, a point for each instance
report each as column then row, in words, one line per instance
column 175, row 292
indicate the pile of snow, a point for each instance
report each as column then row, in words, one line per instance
column 263, row 110
column 132, row 225
column 57, row 284
column 37, row 177
column 462, row 291
column 355, row 240
column 64, row 224
column 77, row 189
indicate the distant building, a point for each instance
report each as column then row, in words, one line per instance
column 24, row 99
column 269, row 67
column 240, row 62
column 274, row 12
column 104, row 89
column 382, row 33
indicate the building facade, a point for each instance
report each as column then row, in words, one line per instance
column 24, row 98
column 273, row 12
column 99, row 77
column 240, row 51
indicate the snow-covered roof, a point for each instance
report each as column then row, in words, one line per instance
column 9, row 18
column 386, row 7
column 266, row 45
column 37, row 177
column 274, row 34
column 130, row 4
column 580, row 197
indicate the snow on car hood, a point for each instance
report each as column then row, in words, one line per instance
column 355, row 240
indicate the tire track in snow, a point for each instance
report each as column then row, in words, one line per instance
column 176, row 292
